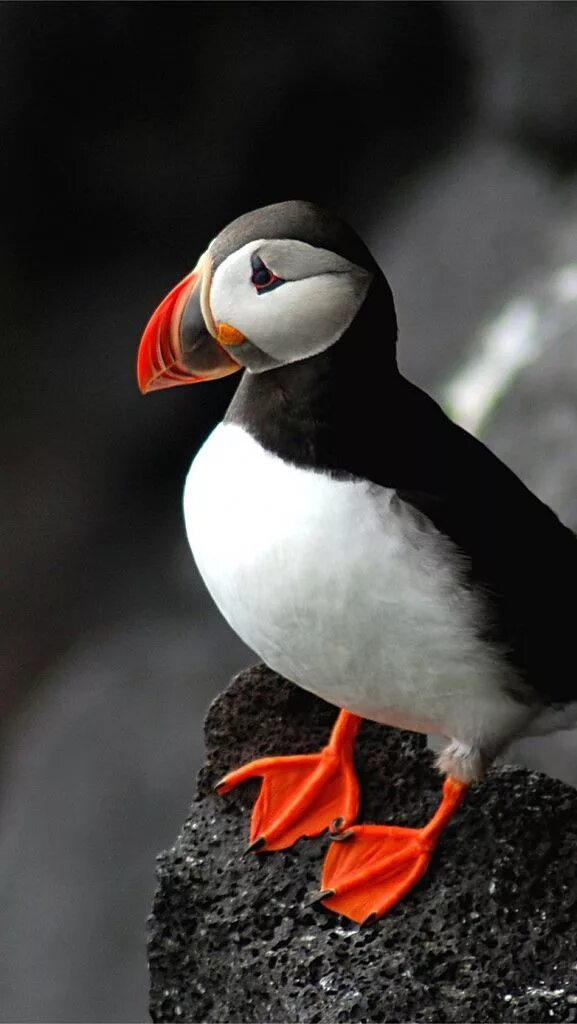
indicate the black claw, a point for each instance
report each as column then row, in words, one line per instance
column 316, row 897
column 336, row 825
column 370, row 919
column 340, row 837
column 256, row 845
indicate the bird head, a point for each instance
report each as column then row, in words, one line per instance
column 277, row 286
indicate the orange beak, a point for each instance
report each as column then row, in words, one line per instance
column 177, row 345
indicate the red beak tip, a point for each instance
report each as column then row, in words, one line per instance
column 158, row 361
column 144, row 380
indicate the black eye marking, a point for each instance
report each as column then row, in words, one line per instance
column 262, row 278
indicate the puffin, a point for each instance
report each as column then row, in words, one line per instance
column 364, row 545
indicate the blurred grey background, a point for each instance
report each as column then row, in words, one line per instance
column 131, row 133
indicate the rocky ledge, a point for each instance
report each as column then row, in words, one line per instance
column 490, row 934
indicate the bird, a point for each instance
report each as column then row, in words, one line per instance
column 364, row 545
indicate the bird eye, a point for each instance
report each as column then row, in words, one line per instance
column 262, row 278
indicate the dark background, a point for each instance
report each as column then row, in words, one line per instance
column 131, row 133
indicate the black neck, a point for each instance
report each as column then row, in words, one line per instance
column 329, row 411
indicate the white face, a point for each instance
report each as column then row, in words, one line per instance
column 314, row 300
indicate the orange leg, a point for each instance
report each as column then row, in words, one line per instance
column 305, row 794
column 369, row 868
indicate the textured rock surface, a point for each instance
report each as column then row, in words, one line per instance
column 489, row 935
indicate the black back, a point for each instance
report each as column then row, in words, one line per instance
column 349, row 412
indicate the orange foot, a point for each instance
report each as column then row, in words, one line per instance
column 305, row 794
column 371, row 867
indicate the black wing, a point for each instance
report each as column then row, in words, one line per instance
column 518, row 551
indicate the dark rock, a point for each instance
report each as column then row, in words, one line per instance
column 489, row 935
column 526, row 54
column 534, row 427
column 471, row 231
column 97, row 778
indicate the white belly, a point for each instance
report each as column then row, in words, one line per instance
column 343, row 589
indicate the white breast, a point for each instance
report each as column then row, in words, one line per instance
column 342, row 588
